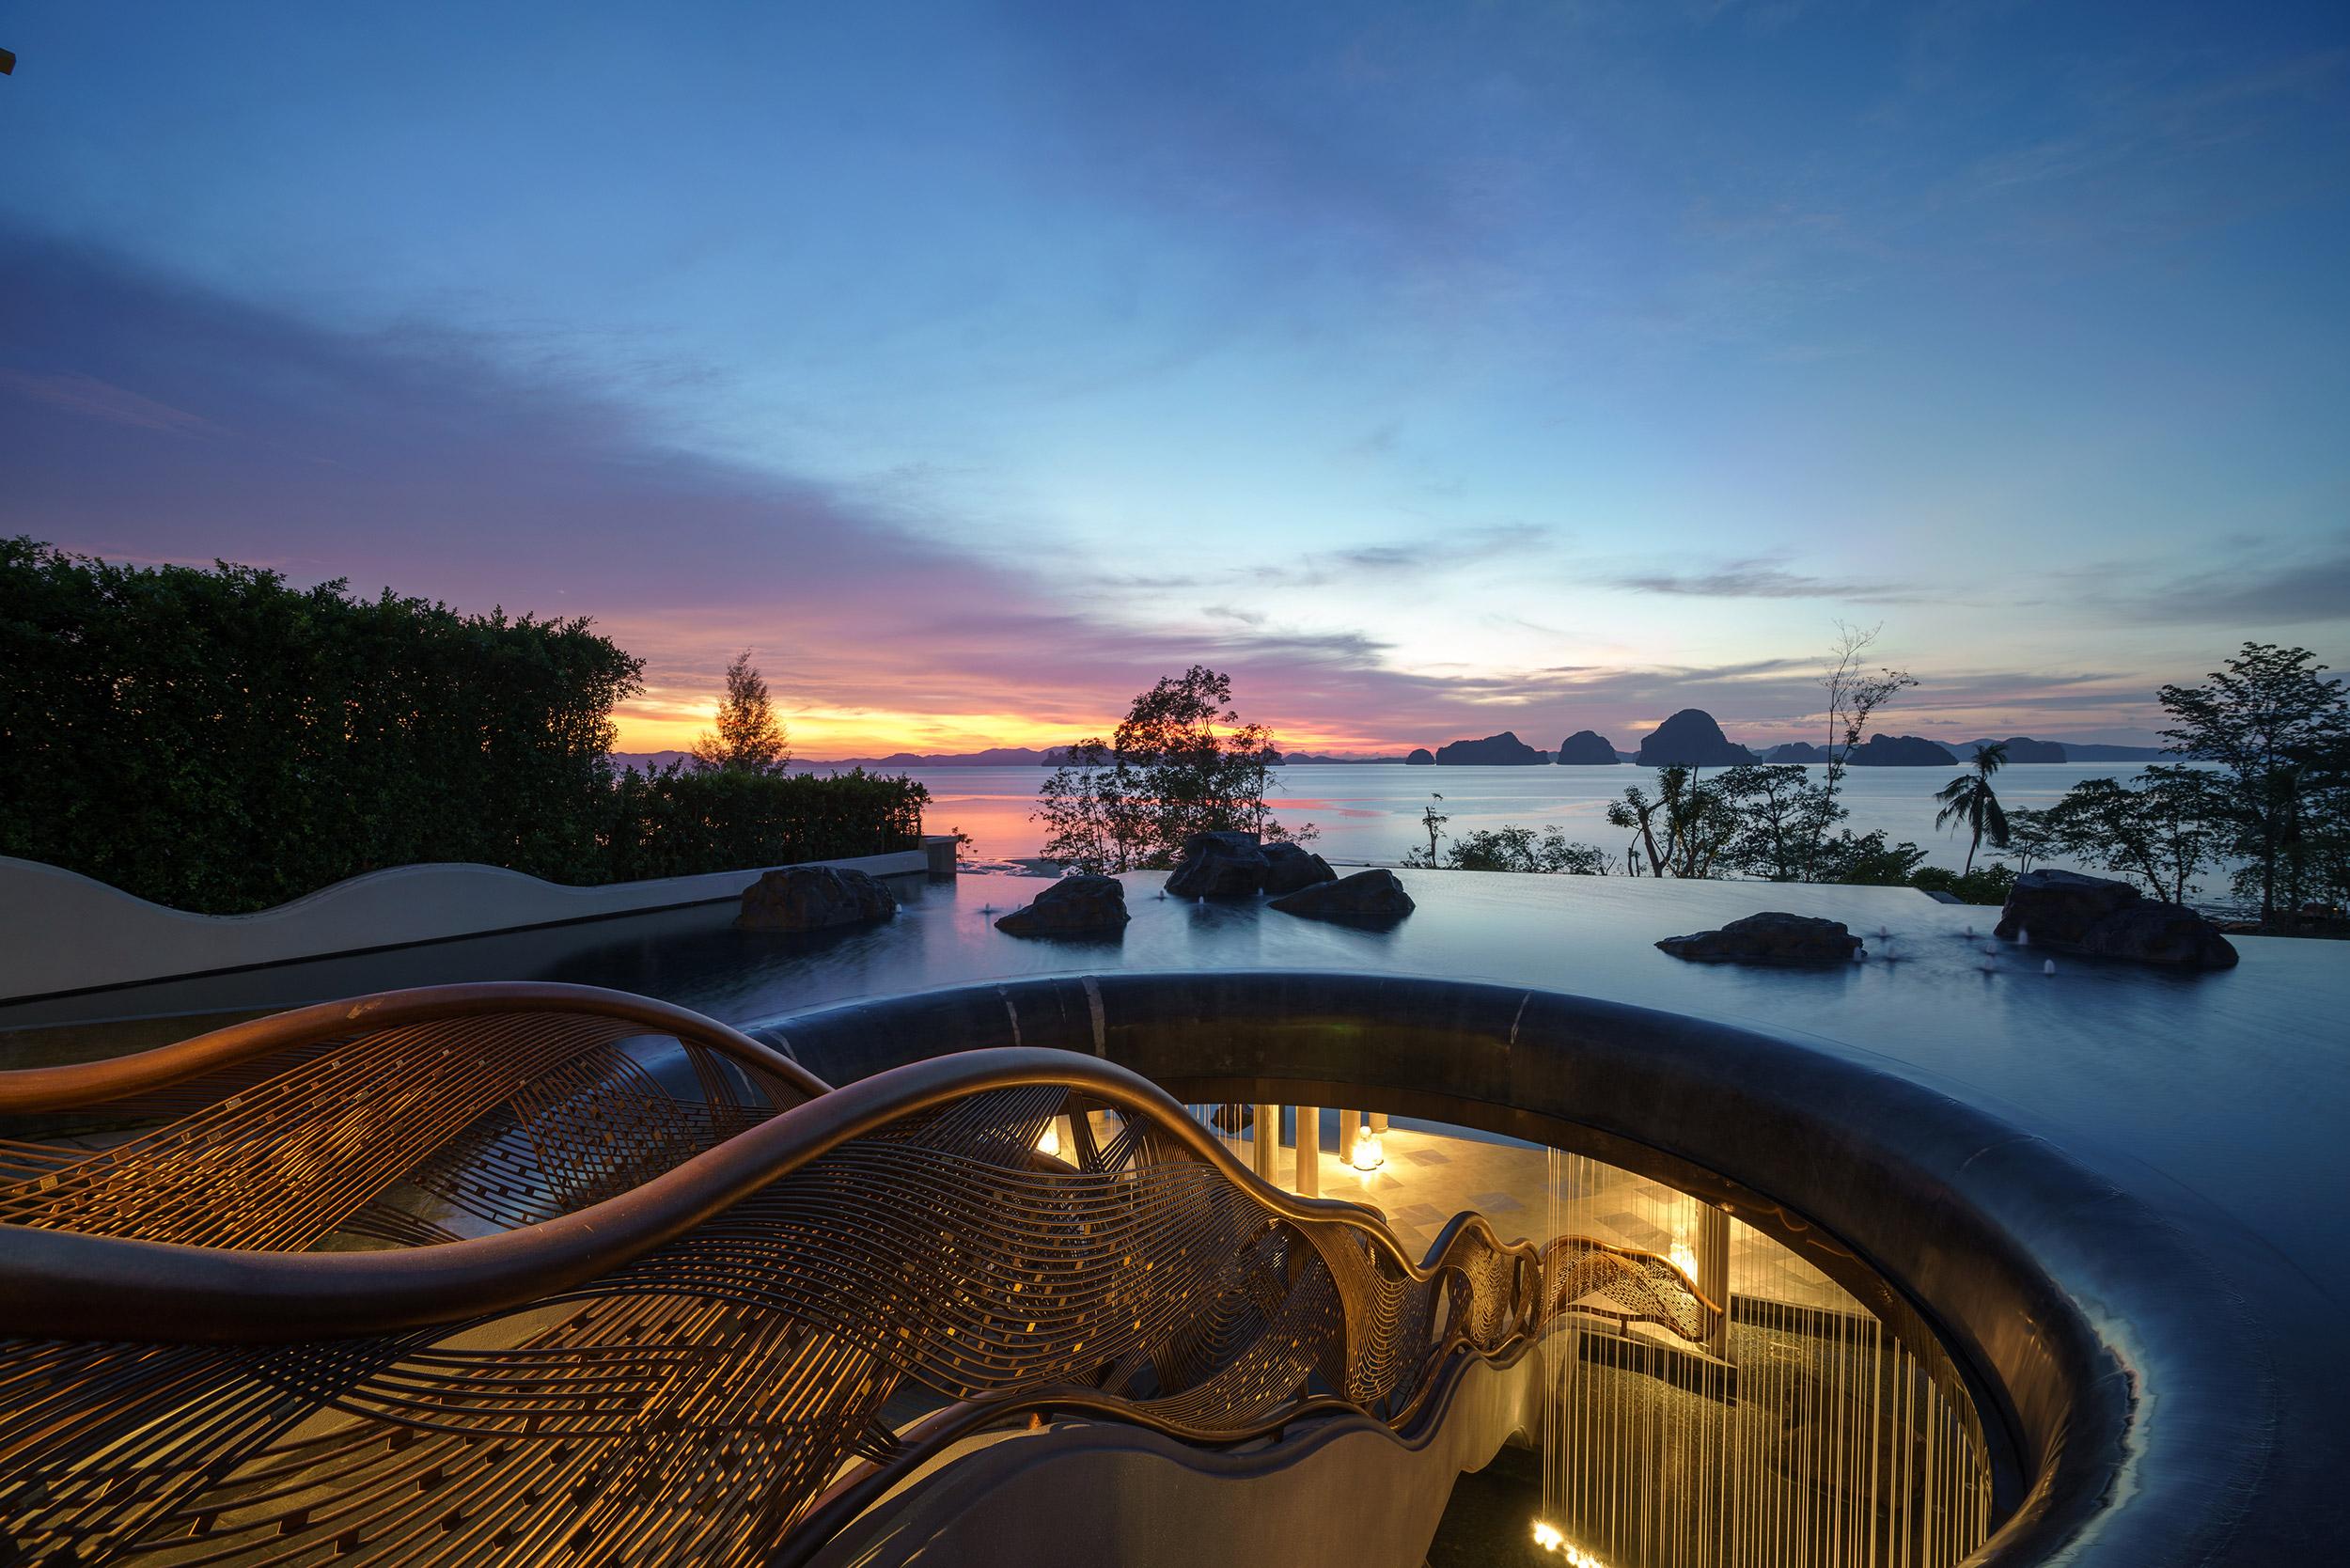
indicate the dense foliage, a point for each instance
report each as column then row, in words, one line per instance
column 679, row 821
column 1989, row 885
column 1512, row 848
column 1181, row 764
column 2274, row 811
column 2281, row 732
column 217, row 739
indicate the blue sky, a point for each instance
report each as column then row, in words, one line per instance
column 1435, row 368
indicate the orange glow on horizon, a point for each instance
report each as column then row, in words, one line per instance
column 825, row 733
column 650, row 726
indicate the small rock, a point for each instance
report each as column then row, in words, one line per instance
column 1218, row 866
column 1367, row 897
column 1073, row 906
column 1773, row 937
column 1290, row 867
column 813, row 897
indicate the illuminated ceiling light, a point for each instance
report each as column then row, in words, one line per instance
column 1049, row 1145
column 1369, row 1151
column 1548, row 1538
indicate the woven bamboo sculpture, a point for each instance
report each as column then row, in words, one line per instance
column 537, row 1273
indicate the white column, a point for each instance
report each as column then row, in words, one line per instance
column 1712, row 1250
column 1265, row 1139
column 1310, row 1151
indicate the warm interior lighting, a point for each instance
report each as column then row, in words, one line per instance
column 1049, row 1145
column 1685, row 1258
column 1548, row 1539
column 1369, row 1151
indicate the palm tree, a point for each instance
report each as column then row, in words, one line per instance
column 1969, row 799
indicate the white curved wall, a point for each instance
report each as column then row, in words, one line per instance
column 1082, row 1495
column 60, row 931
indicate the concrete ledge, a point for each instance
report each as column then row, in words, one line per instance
column 61, row 931
column 1344, row 1494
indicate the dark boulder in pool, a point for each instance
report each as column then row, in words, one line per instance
column 1290, row 867
column 2067, row 912
column 1219, row 866
column 1773, row 939
column 1073, row 906
column 813, row 897
column 1367, row 898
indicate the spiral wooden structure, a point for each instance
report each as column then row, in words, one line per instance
column 538, row 1272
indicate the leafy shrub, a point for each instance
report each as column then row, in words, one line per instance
column 1990, row 884
column 677, row 822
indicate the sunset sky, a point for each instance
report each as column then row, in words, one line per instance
column 1433, row 368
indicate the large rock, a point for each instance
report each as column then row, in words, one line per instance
column 1218, row 866
column 2068, row 912
column 1774, row 938
column 1073, row 906
column 1290, row 867
column 2023, row 748
column 2060, row 908
column 1796, row 751
column 1901, row 751
column 1367, row 898
column 1421, row 757
column 2168, row 936
column 1691, row 739
column 1502, row 750
column 1585, row 750
column 813, row 897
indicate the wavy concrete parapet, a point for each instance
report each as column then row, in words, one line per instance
column 62, row 932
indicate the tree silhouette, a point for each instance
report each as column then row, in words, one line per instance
column 1970, row 799
column 2271, row 721
column 749, row 738
column 1181, row 764
column 1852, row 696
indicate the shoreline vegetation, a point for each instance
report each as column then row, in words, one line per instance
column 215, row 740
column 2269, row 808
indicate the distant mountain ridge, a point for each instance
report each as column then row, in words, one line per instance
column 1691, row 739
column 1690, row 736
column 1502, row 750
column 1901, row 751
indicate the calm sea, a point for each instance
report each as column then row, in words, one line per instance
column 1369, row 813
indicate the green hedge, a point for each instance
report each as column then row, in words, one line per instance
column 215, row 740
column 677, row 822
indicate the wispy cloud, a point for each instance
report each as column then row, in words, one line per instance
column 1764, row 579
column 2274, row 588
column 93, row 398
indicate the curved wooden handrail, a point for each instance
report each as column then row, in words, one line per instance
column 65, row 1284
column 762, row 1294
column 71, row 1086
